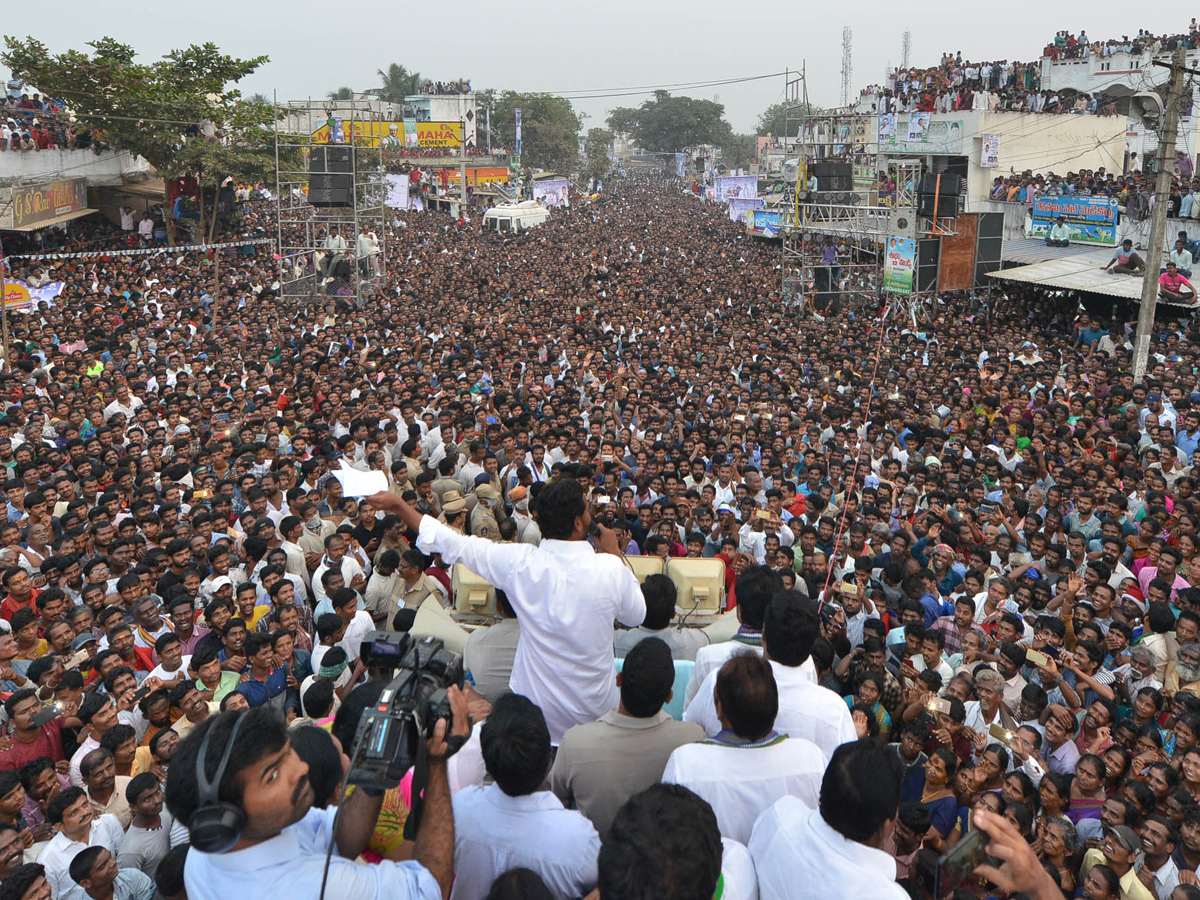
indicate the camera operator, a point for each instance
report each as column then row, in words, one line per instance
column 281, row 840
column 566, row 597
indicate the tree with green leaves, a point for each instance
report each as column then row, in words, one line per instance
column 182, row 113
column 342, row 93
column 595, row 152
column 549, row 129
column 670, row 124
column 398, row 83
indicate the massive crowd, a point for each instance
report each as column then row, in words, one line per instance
column 958, row 558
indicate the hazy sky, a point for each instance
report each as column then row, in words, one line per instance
column 568, row 45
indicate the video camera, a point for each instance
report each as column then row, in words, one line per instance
column 390, row 734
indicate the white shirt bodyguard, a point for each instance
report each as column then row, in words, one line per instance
column 566, row 597
column 806, row 710
column 742, row 780
column 793, row 845
column 495, row 832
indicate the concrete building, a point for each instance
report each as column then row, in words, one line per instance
column 953, row 142
column 1121, row 75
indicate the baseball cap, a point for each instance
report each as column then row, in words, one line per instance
column 82, row 640
column 1127, row 838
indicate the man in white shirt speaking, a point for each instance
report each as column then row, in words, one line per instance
column 565, row 594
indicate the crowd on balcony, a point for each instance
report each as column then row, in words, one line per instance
column 446, row 87
column 30, row 122
column 1069, row 46
column 1134, row 191
column 998, row 85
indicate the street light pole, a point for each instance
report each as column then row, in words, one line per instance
column 1158, row 223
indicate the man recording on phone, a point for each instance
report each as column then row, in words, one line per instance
column 244, row 794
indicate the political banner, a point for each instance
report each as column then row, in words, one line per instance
column 19, row 296
column 1092, row 220
column 739, row 206
column 518, row 136
column 918, row 125
column 397, row 191
column 680, row 165
column 989, row 157
column 887, row 128
column 726, row 187
column 363, row 134
column 552, row 192
column 899, row 266
column 764, row 222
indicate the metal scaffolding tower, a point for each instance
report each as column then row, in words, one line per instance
column 847, row 74
column 311, row 206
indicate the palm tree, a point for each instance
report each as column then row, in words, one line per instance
column 259, row 99
column 342, row 93
column 398, row 83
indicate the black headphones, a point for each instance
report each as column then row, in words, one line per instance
column 215, row 826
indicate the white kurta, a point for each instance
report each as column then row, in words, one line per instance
column 740, row 782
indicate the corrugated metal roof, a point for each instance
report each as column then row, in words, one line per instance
column 1080, row 272
column 1035, row 250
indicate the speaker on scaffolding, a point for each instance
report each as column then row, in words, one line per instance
column 939, row 195
column 989, row 242
column 902, row 223
column 833, row 177
column 329, row 158
column 929, row 254
column 330, row 182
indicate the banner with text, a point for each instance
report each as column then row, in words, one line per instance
column 1092, row 220
column 42, row 202
column 680, row 165
column 899, row 266
column 726, row 187
column 552, row 192
column 19, row 296
column 439, row 134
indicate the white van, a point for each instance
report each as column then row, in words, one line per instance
column 514, row 217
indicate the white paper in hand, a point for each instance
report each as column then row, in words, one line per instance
column 356, row 483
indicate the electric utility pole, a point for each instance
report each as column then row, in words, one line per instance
column 1158, row 222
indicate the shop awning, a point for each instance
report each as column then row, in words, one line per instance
column 57, row 220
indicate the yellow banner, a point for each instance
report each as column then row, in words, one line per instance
column 439, row 134
column 366, row 134
column 16, row 294
column 498, row 175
